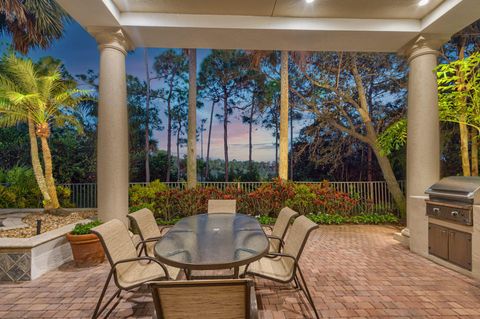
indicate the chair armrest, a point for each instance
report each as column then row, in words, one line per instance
column 282, row 243
column 143, row 242
column 268, row 227
column 150, row 259
column 273, row 255
column 165, row 227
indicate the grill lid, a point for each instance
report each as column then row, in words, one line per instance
column 463, row 188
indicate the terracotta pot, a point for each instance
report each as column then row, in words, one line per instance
column 87, row 250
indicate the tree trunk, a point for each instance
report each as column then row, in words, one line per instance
column 250, row 133
column 192, row 120
column 147, row 119
column 391, row 180
column 37, row 166
column 291, row 143
column 169, row 131
column 225, row 133
column 474, row 140
column 47, row 159
column 369, row 164
column 464, row 136
column 464, row 148
column 178, row 152
column 283, row 167
column 372, row 138
column 207, row 161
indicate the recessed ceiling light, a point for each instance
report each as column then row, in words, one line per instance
column 309, row 1
column 422, row 3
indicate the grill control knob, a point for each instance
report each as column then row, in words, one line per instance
column 436, row 210
column 454, row 213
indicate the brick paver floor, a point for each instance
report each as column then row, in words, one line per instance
column 352, row 271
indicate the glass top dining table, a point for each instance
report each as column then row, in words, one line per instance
column 213, row 241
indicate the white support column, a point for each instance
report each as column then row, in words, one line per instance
column 112, row 130
column 423, row 139
column 283, row 147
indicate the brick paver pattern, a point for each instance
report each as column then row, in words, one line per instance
column 352, row 271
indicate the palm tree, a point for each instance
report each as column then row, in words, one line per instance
column 32, row 23
column 40, row 100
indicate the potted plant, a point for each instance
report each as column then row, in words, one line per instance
column 86, row 247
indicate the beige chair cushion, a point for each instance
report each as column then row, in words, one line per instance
column 282, row 268
column 222, row 206
column 142, row 271
column 146, row 223
column 119, row 246
column 281, row 226
column 212, row 299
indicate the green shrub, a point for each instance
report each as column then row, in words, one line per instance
column 303, row 200
column 336, row 219
column 8, row 199
column 154, row 196
column 265, row 219
column 328, row 219
column 84, row 229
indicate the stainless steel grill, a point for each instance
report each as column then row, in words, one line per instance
column 452, row 199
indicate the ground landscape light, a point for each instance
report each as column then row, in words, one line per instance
column 423, row 2
column 309, row 1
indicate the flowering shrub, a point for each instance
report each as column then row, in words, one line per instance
column 267, row 200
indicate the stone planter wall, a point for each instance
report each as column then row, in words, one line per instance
column 24, row 259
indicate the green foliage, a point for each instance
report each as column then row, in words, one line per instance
column 337, row 219
column 20, row 190
column 265, row 219
column 393, row 138
column 265, row 201
column 154, row 196
column 167, row 222
column 84, row 229
column 459, row 91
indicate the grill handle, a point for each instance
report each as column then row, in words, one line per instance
column 451, row 195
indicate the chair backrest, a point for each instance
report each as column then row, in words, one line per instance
column 145, row 222
column 283, row 221
column 297, row 237
column 213, row 299
column 222, row 206
column 116, row 242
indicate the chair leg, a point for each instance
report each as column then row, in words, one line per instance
column 304, row 288
column 99, row 310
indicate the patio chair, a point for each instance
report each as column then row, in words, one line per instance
column 127, row 269
column 222, row 206
column 212, row 299
column 279, row 230
column 144, row 222
column 284, row 267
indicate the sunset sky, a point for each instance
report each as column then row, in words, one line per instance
column 78, row 50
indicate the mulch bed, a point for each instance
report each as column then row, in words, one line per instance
column 49, row 222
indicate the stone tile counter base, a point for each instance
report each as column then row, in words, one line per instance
column 24, row 259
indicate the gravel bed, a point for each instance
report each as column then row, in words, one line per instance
column 49, row 222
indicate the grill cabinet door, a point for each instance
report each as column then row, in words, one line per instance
column 438, row 241
column 460, row 248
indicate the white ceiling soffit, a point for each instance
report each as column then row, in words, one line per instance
column 348, row 25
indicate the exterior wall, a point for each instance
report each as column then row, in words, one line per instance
column 419, row 237
column 24, row 259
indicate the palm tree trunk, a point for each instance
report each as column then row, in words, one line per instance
column 283, row 167
column 147, row 119
column 169, row 133
column 207, row 161
column 291, row 143
column 225, row 134
column 37, row 166
column 474, row 140
column 250, row 132
column 192, row 120
column 178, row 153
column 47, row 159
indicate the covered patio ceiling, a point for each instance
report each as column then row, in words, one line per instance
column 323, row 25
